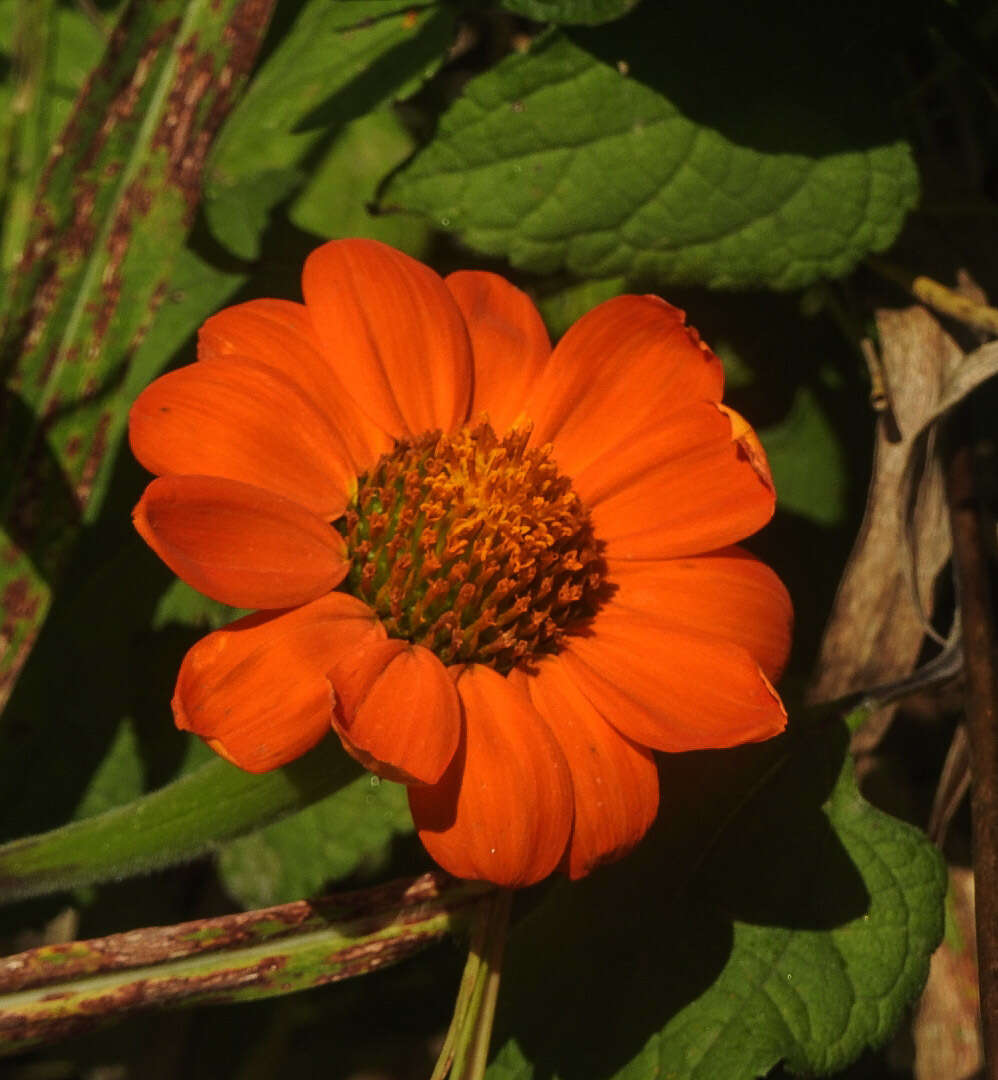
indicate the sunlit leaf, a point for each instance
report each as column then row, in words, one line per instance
column 50, row 49
column 678, row 146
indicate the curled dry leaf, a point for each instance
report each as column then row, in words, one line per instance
column 875, row 629
column 952, row 788
column 884, row 604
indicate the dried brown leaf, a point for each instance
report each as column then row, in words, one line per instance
column 875, row 630
column 946, row 1029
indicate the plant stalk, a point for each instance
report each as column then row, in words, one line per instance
column 939, row 297
column 465, row 1052
column 970, row 559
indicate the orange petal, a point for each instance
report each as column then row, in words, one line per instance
column 239, row 544
column 244, row 421
column 503, row 810
column 397, row 711
column 257, row 691
column 672, row 689
column 689, row 486
column 280, row 333
column 509, row 342
column 617, row 372
column 615, row 782
column 744, row 434
column 393, row 333
column 728, row 594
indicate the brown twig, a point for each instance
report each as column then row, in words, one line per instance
column 969, row 555
column 947, row 301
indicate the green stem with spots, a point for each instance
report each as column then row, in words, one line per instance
column 58, row 990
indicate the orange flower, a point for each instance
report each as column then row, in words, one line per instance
column 500, row 572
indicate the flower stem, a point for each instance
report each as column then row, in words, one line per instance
column 468, row 981
column 466, row 1047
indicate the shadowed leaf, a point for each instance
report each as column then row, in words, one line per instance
column 771, row 914
column 582, row 12
column 811, row 483
column 349, row 831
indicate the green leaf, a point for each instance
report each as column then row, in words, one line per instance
column 118, row 197
column 345, row 833
column 335, row 201
column 676, row 145
column 57, row 990
column 186, row 818
column 237, row 210
column 119, row 778
column 338, row 62
column 771, row 915
column 24, row 99
column 51, row 49
column 808, row 465
column 581, row 12
column 195, row 289
column 566, row 306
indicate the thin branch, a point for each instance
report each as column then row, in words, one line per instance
column 970, row 558
column 939, row 297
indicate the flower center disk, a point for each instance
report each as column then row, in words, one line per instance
column 473, row 546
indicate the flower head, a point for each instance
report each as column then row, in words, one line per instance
column 501, row 573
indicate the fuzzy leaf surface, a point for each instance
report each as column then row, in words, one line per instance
column 673, row 146
column 180, row 821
